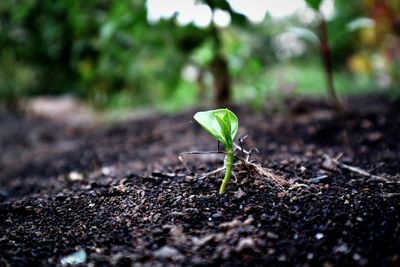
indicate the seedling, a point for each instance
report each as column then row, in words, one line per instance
column 222, row 124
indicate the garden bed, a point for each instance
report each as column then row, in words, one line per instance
column 120, row 196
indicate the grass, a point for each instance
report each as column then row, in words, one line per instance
column 300, row 78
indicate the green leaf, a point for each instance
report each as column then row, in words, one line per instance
column 227, row 121
column 225, row 129
column 304, row 34
column 222, row 124
column 315, row 4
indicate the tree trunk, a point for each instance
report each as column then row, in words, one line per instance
column 222, row 80
column 327, row 62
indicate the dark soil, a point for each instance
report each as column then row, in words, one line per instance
column 120, row 194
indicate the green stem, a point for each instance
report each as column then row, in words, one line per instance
column 228, row 172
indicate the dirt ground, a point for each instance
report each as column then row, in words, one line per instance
column 118, row 195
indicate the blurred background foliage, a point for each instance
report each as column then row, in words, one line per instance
column 117, row 54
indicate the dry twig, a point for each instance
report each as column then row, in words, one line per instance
column 335, row 161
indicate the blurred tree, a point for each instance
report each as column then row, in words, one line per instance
column 217, row 64
column 99, row 48
column 326, row 53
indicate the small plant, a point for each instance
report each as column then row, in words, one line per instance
column 222, row 124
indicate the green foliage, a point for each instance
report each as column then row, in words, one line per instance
column 92, row 49
column 315, row 4
column 109, row 54
column 222, row 124
column 305, row 34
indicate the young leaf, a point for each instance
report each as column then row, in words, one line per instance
column 225, row 129
column 227, row 122
column 209, row 121
column 315, row 4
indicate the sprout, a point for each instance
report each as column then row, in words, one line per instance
column 222, row 124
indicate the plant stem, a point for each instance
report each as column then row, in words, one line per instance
column 228, row 172
column 327, row 62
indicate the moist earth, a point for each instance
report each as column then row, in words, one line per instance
column 120, row 196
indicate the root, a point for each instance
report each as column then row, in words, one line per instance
column 253, row 170
column 211, row 173
column 243, row 165
column 257, row 170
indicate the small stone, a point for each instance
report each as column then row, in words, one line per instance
column 108, row 170
column 303, row 169
column 74, row 258
column 343, row 248
column 245, row 243
column 249, row 220
column 328, row 164
column 272, row 235
column 374, row 136
column 203, row 240
column 318, row 179
column 360, row 260
column 232, row 224
column 216, row 215
column 282, row 194
column 239, row 194
column 319, row 236
column 75, row 176
column 356, row 256
column 282, row 257
column 166, row 252
column 29, row 208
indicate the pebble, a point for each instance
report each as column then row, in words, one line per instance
column 245, row 243
column 239, row 194
column 166, row 252
column 317, row 179
column 272, row 235
column 282, row 257
column 303, row 169
column 216, row 215
column 319, row 236
column 75, row 176
column 229, row 225
column 75, row 258
column 343, row 248
column 328, row 164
